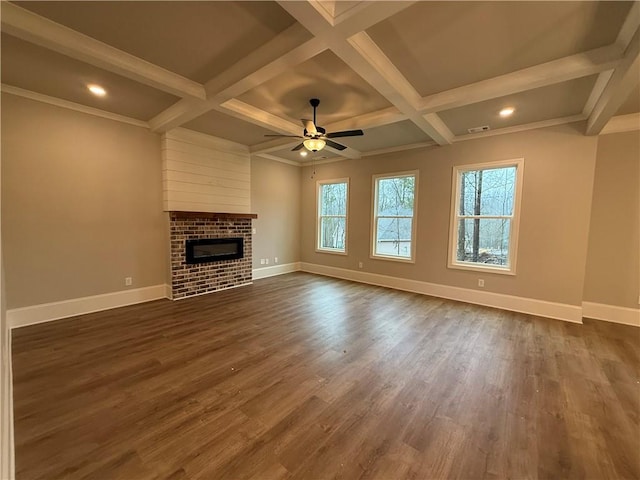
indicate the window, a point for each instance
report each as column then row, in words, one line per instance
column 332, row 215
column 484, row 218
column 393, row 216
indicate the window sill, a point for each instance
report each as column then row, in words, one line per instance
column 392, row 259
column 484, row 268
column 332, row 252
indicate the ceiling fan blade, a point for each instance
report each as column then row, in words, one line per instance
column 291, row 136
column 335, row 145
column 345, row 133
column 297, row 147
column 309, row 126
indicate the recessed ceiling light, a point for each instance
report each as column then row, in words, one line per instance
column 303, row 153
column 97, row 90
column 506, row 112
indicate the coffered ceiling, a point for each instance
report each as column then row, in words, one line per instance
column 407, row 73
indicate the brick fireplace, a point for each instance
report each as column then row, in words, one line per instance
column 189, row 279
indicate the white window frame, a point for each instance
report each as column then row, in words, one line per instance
column 319, row 217
column 374, row 220
column 510, row 268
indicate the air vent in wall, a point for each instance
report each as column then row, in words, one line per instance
column 483, row 128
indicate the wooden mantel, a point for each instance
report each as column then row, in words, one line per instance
column 181, row 214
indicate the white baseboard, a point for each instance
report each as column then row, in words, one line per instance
column 611, row 313
column 559, row 311
column 168, row 291
column 265, row 272
column 20, row 317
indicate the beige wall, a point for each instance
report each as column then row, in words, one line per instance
column 275, row 197
column 554, row 226
column 81, row 204
column 613, row 261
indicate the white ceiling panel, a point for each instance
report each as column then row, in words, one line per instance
column 342, row 93
column 225, row 126
column 556, row 101
column 442, row 45
column 196, row 39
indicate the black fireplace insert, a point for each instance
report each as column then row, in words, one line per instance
column 205, row 250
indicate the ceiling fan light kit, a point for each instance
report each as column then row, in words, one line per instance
column 315, row 138
column 314, row 144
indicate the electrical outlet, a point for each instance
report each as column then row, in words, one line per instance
column 359, row 264
column 253, row 231
column 262, row 261
column 266, row 261
column 275, row 260
column 128, row 281
column 480, row 282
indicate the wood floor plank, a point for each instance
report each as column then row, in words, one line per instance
column 302, row 376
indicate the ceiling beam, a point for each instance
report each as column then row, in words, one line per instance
column 249, row 113
column 549, row 73
column 274, row 145
column 378, row 118
column 286, row 50
column 179, row 113
column 33, row 28
column 353, row 17
column 366, row 14
column 376, row 68
column 624, row 79
column 58, row 102
column 622, row 123
column 629, row 27
column 397, row 86
column 367, row 60
column 596, row 92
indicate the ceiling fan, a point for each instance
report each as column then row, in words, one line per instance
column 315, row 137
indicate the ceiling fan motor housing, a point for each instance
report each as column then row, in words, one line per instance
column 317, row 140
column 320, row 130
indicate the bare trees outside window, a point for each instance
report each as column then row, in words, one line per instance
column 394, row 216
column 485, row 212
column 332, row 215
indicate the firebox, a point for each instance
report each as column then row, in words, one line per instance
column 205, row 250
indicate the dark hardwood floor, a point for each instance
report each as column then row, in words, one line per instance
column 307, row 377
